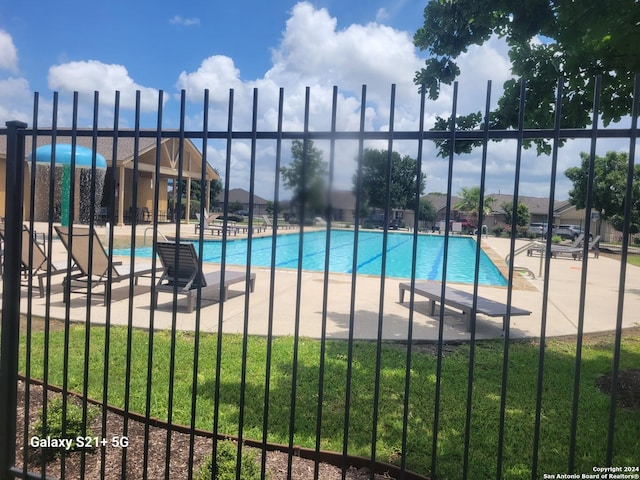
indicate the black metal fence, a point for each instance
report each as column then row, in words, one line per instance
column 126, row 332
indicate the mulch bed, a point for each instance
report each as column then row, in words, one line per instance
column 90, row 464
column 628, row 388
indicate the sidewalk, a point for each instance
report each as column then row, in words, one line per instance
column 299, row 305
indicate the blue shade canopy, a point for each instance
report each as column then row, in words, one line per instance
column 84, row 156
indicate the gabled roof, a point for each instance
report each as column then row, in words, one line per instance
column 536, row 205
column 439, row 201
column 240, row 195
column 125, row 149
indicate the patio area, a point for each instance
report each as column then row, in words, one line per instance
column 371, row 296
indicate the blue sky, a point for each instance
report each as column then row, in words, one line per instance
column 68, row 46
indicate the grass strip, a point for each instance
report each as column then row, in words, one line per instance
column 556, row 406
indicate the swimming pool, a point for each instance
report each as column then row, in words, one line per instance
column 430, row 252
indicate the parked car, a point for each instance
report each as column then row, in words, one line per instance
column 570, row 232
column 538, row 229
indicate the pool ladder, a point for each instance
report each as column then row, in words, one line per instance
column 520, row 268
column 144, row 239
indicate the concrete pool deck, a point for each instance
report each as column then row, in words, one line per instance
column 303, row 308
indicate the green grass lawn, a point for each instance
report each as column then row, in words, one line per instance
column 634, row 260
column 520, row 395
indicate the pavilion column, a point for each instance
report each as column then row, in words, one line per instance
column 187, row 213
column 120, row 192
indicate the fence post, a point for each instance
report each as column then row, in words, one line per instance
column 9, row 343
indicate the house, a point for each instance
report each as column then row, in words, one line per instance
column 122, row 161
column 241, row 198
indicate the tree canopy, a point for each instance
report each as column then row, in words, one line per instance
column 547, row 39
column 470, row 202
column 609, row 188
column 522, row 214
column 374, row 178
column 306, row 177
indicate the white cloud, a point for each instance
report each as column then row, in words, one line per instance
column 185, row 22
column 8, row 53
column 313, row 52
column 86, row 77
column 15, row 96
column 382, row 14
column 217, row 73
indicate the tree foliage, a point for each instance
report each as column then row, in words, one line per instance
column 427, row 211
column 547, row 40
column 609, row 188
column 374, row 178
column 306, row 177
column 522, row 214
column 470, row 202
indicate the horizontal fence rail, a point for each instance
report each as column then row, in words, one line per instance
column 153, row 356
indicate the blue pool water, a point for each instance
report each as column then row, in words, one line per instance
column 430, row 252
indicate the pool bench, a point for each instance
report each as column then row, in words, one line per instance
column 461, row 300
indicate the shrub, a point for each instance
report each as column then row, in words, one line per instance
column 53, row 427
column 231, row 218
column 497, row 230
column 556, row 239
column 636, row 241
column 225, row 465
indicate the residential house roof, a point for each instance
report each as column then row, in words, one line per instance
column 240, row 195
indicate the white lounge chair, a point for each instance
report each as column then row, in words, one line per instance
column 93, row 268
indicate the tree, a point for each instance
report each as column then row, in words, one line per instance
column 564, row 38
column 306, row 177
column 522, row 214
column 374, row 180
column 470, row 202
column 427, row 211
column 609, row 188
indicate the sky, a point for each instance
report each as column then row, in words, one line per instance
column 172, row 47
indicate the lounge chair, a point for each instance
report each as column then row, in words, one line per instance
column 575, row 250
column 41, row 267
column 217, row 229
column 182, row 276
column 93, row 271
column 268, row 223
column 461, row 300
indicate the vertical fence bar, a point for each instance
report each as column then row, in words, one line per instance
column 414, row 256
column 383, row 271
column 196, row 345
column 87, row 337
column 296, row 334
column 134, row 217
column 545, row 288
column 512, row 246
column 174, row 312
column 245, row 326
column 445, row 257
column 583, row 277
column 29, row 324
column 223, row 264
column 633, row 136
column 107, row 336
column 152, row 313
column 476, row 280
column 352, row 304
column 9, row 342
column 272, row 287
column 325, row 285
